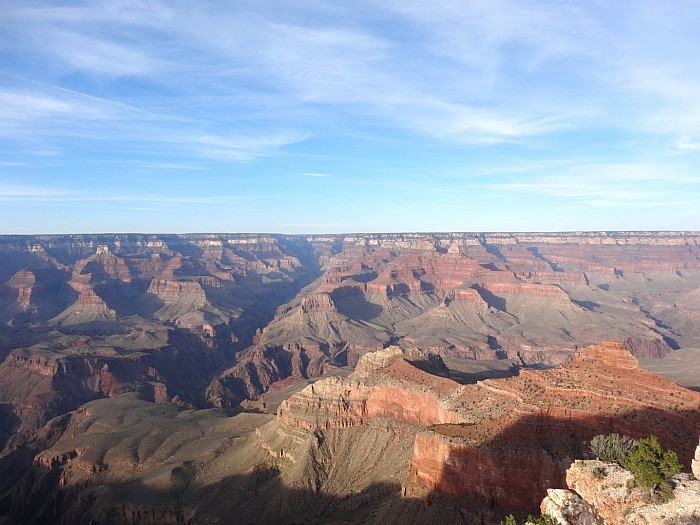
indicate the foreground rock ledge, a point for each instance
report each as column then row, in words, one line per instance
column 606, row 501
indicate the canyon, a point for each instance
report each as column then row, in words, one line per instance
column 142, row 374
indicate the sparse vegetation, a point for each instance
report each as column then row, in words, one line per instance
column 543, row 519
column 612, row 447
column 509, row 520
column 659, row 495
column 651, row 468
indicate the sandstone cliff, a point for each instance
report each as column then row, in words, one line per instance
column 501, row 443
column 386, row 385
column 531, row 299
column 540, row 420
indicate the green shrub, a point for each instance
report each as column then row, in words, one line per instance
column 536, row 520
column 649, row 464
column 651, row 467
column 658, row 495
column 612, row 447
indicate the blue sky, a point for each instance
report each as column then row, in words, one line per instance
column 336, row 116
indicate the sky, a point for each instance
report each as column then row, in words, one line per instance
column 335, row 117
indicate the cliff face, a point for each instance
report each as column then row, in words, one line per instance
column 654, row 348
column 89, row 316
column 502, row 443
column 385, row 385
column 482, row 476
column 540, row 421
column 529, row 298
column 213, row 319
column 390, row 443
column 605, row 500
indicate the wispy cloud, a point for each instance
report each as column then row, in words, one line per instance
column 60, row 114
column 23, row 191
column 27, row 193
column 584, row 103
column 20, row 107
column 99, row 56
column 241, row 148
column 167, row 166
column 609, row 185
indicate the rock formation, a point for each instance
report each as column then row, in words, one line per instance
column 532, row 298
column 501, row 443
column 213, row 320
column 604, row 499
column 431, row 449
column 388, row 386
column 653, row 348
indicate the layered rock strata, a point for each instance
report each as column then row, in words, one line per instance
column 387, row 386
column 528, row 298
column 502, row 442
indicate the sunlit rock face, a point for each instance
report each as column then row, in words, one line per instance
column 605, row 499
column 503, row 442
column 531, row 426
column 528, row 298
column 384, row 385
column 293, row 306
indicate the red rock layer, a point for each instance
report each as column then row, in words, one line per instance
column 537, row 290
column 527, row 429
column 654, row 348
column 502, row 443
column 386, row 386
column 178, row 291
column 23, row 281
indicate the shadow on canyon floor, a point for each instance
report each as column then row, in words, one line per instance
column 353, row 304
column 260, row 497
column 509, row 472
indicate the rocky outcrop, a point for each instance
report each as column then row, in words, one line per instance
column 538, row 290
column 539, row 420
column 502, row 443
column 89, row 308
column 320, row 302
column 653, row 348
column 178, row 291
column 530, row 298
column 374, row 361
column 598, row 495
column 386, row 385
column 23, row 281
